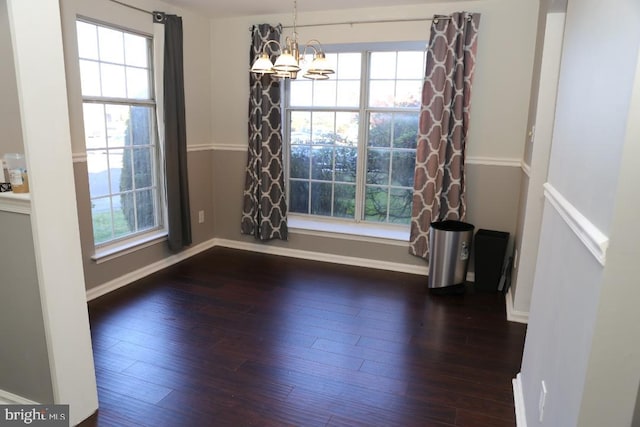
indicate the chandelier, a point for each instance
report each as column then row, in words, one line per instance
column 290, row 57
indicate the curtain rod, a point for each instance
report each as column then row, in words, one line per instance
column 376, row 21
column 132, row 7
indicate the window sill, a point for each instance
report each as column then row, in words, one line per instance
column 125, row 248
column 349, row 230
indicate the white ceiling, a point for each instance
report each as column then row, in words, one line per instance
column 229, row 8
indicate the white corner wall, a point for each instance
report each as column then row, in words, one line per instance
column 45, row 127
column 578, row 297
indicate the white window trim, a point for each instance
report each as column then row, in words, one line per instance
column 355, row 229
column 352, row 230
column 128, row 246
column 134, row 242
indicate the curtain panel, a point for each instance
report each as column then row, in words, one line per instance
column 439, row 179
column 264, row 211
column 175, row 135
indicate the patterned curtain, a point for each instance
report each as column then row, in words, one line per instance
column 439, row 180
column 264, row 212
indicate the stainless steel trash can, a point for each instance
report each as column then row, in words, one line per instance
column 449, row 252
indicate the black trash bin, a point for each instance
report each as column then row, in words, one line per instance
column 449, row 250
column 490, row 250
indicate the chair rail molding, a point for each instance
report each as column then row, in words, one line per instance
column 594, row 239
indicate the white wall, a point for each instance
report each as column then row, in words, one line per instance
column 532, row 200
column 577, row 293
column 44, row 116
column 610, row 394
column 501, row 85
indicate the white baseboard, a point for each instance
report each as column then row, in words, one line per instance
column 324, row 257
column 131, row 277
column 514, row 315
column 518, row 400
column 128, row 278
column 7, row 398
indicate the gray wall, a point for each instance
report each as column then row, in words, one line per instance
column 198, row 106
column 23, row 353
column 582, row 338
column 10, row 129
column 493, row 193
column 201, row 198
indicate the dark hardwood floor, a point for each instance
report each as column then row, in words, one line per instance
column 232, row 338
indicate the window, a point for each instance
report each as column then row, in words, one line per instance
column 120, row 137
column 352, row 138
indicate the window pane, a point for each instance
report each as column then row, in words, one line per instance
column 136, row 50
column 383, row 65
column 113, row 81
column 299, row 162
column 139, row 128
column 375, row 204
column 346, row 163
column 404, row 163
column 322, row 163
column 142, row 167
column 111, row 45
column 349, row 66
column 101, row 219
column 98, row 168
column 120, row 139
column 145, row 208
column 347, row 128
column 119, row 182
column 301, row 92
column 299, row 196
column 344, row 204
column 348, row 93
column 87, row 40
column 408, row 93
column 90, row 78
column 380, row 129
column 117, row 123
column 405, row 130
column 323, row 126
column 121, row 224
column 410, row 65
column 300, row 127
column 400, row 205
column 94, row 127
column 138, row 83
column 321, row 198
column 324, row 93
column 378, row 167
column 381, row 93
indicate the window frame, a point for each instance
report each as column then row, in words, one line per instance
column 357, row 226
column 122, row 245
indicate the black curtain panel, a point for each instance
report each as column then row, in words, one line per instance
column 177, row 182
column 264, row 212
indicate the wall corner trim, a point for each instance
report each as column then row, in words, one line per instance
column 595, row 241
column 493, row 161
column 514, row 315
column 200, row 147
column 8, row 398
column 16, row 203
column 525, row 168
column 518, row 400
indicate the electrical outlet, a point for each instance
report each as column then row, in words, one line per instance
column 542, row 401
column 200, row 217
